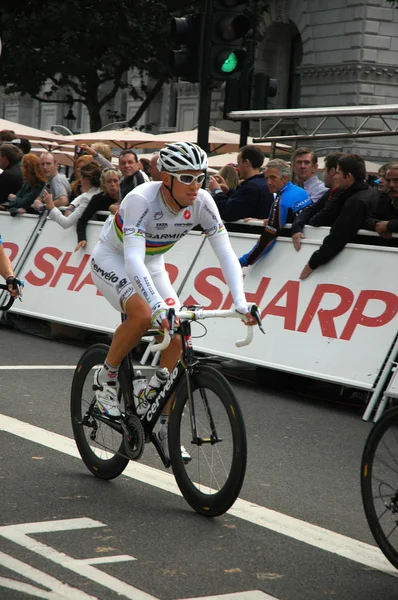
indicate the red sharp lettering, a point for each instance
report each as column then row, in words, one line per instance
column 44, row 266
column 69, row 270
column 326, row 317
column 213, row 293
column 172, row 271
column 357, row 316
column 289, row 310
column 255, row 297
column 13, row 248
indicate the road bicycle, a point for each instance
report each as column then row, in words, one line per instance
column 205, row 418
column 379, row 483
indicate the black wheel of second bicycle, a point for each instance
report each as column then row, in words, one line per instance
column 211, row 481
column 379, row 483
column 100, row 443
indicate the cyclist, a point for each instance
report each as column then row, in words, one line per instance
column 128, row 265
column 7, row 272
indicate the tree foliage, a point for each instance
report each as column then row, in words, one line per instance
column 86, row 46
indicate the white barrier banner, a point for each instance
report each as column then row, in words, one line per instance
column 337, row 325
column 16, row 232
column 58, row 280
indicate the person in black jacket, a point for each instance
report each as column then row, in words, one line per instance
column 107, row 199
column 11, row 178
column 130, row 169
column 348, row 211
column 384, row 219
column 252, row 197
column 315, row 215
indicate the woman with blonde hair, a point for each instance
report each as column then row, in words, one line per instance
column 90, row 180
column 229, row 175
column 33, row 184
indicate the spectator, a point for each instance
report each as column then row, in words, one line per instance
column 252, row 197
column 356, row 202
column 305, row 165
column 11, row 179
column 130, row 169
column 7, row 135
column 289, row 198
column 316, row 215
column 98, row 151
column 384, row 219
column 153, row 171
column 107, row 199
column 75, row 182
column 32, row 187
column 380, row 182
column 230, row 175
column 144, row 166
column 23, row 144
column 60, row 189
column 90, row 180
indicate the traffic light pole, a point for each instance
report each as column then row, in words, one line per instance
column 245, row 125
column 205, row 80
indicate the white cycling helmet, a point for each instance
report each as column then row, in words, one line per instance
column 182, row 156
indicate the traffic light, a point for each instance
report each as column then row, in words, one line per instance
column 263, row 88
column 186, row 34
column 229, row 26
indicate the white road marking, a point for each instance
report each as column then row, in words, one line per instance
column 253, row 595
column 20, row 534
column 308, row 533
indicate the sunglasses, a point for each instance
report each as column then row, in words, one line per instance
column 187, row 178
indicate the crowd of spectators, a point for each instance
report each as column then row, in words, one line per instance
column 277, row 193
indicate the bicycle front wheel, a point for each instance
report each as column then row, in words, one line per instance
column 212, row 430
column 379, row 484
column 100, row 443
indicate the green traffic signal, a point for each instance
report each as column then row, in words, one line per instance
column 230, row 63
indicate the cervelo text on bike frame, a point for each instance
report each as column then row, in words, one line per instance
column 157, row 405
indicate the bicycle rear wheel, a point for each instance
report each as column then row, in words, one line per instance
column 99, row 441
column 379, row 484
column 212, row 480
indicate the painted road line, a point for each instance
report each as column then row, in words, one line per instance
column 50, row 367
column 302, row 531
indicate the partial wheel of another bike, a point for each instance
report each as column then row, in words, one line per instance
column 379, row 483
column 100, row 440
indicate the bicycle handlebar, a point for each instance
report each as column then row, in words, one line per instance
column 203, row 313
column 3, row 286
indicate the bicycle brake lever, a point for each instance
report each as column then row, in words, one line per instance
column 256, row 314
column 171, row 318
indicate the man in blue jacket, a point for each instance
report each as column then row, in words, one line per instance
column 252, row 197
column 289, row 198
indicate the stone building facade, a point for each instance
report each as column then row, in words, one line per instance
column 340, row 53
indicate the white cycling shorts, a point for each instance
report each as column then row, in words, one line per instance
column 110, row 278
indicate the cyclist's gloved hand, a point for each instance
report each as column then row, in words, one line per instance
column 159, row 313
column 14, row 286
column 244, row 310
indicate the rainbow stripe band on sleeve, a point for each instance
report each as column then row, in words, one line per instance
column 118, row 225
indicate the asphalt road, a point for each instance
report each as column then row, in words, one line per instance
column 298, row 531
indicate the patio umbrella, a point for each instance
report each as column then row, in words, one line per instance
column 31, row 133
column 219, row 140
column 116, row 138
column 220, row 160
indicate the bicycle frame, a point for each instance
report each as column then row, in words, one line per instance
column 184, row 366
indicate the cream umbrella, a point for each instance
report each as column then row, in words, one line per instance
column 220, row 160
column 31, row 133
column 219, row 140
column 116, row 138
